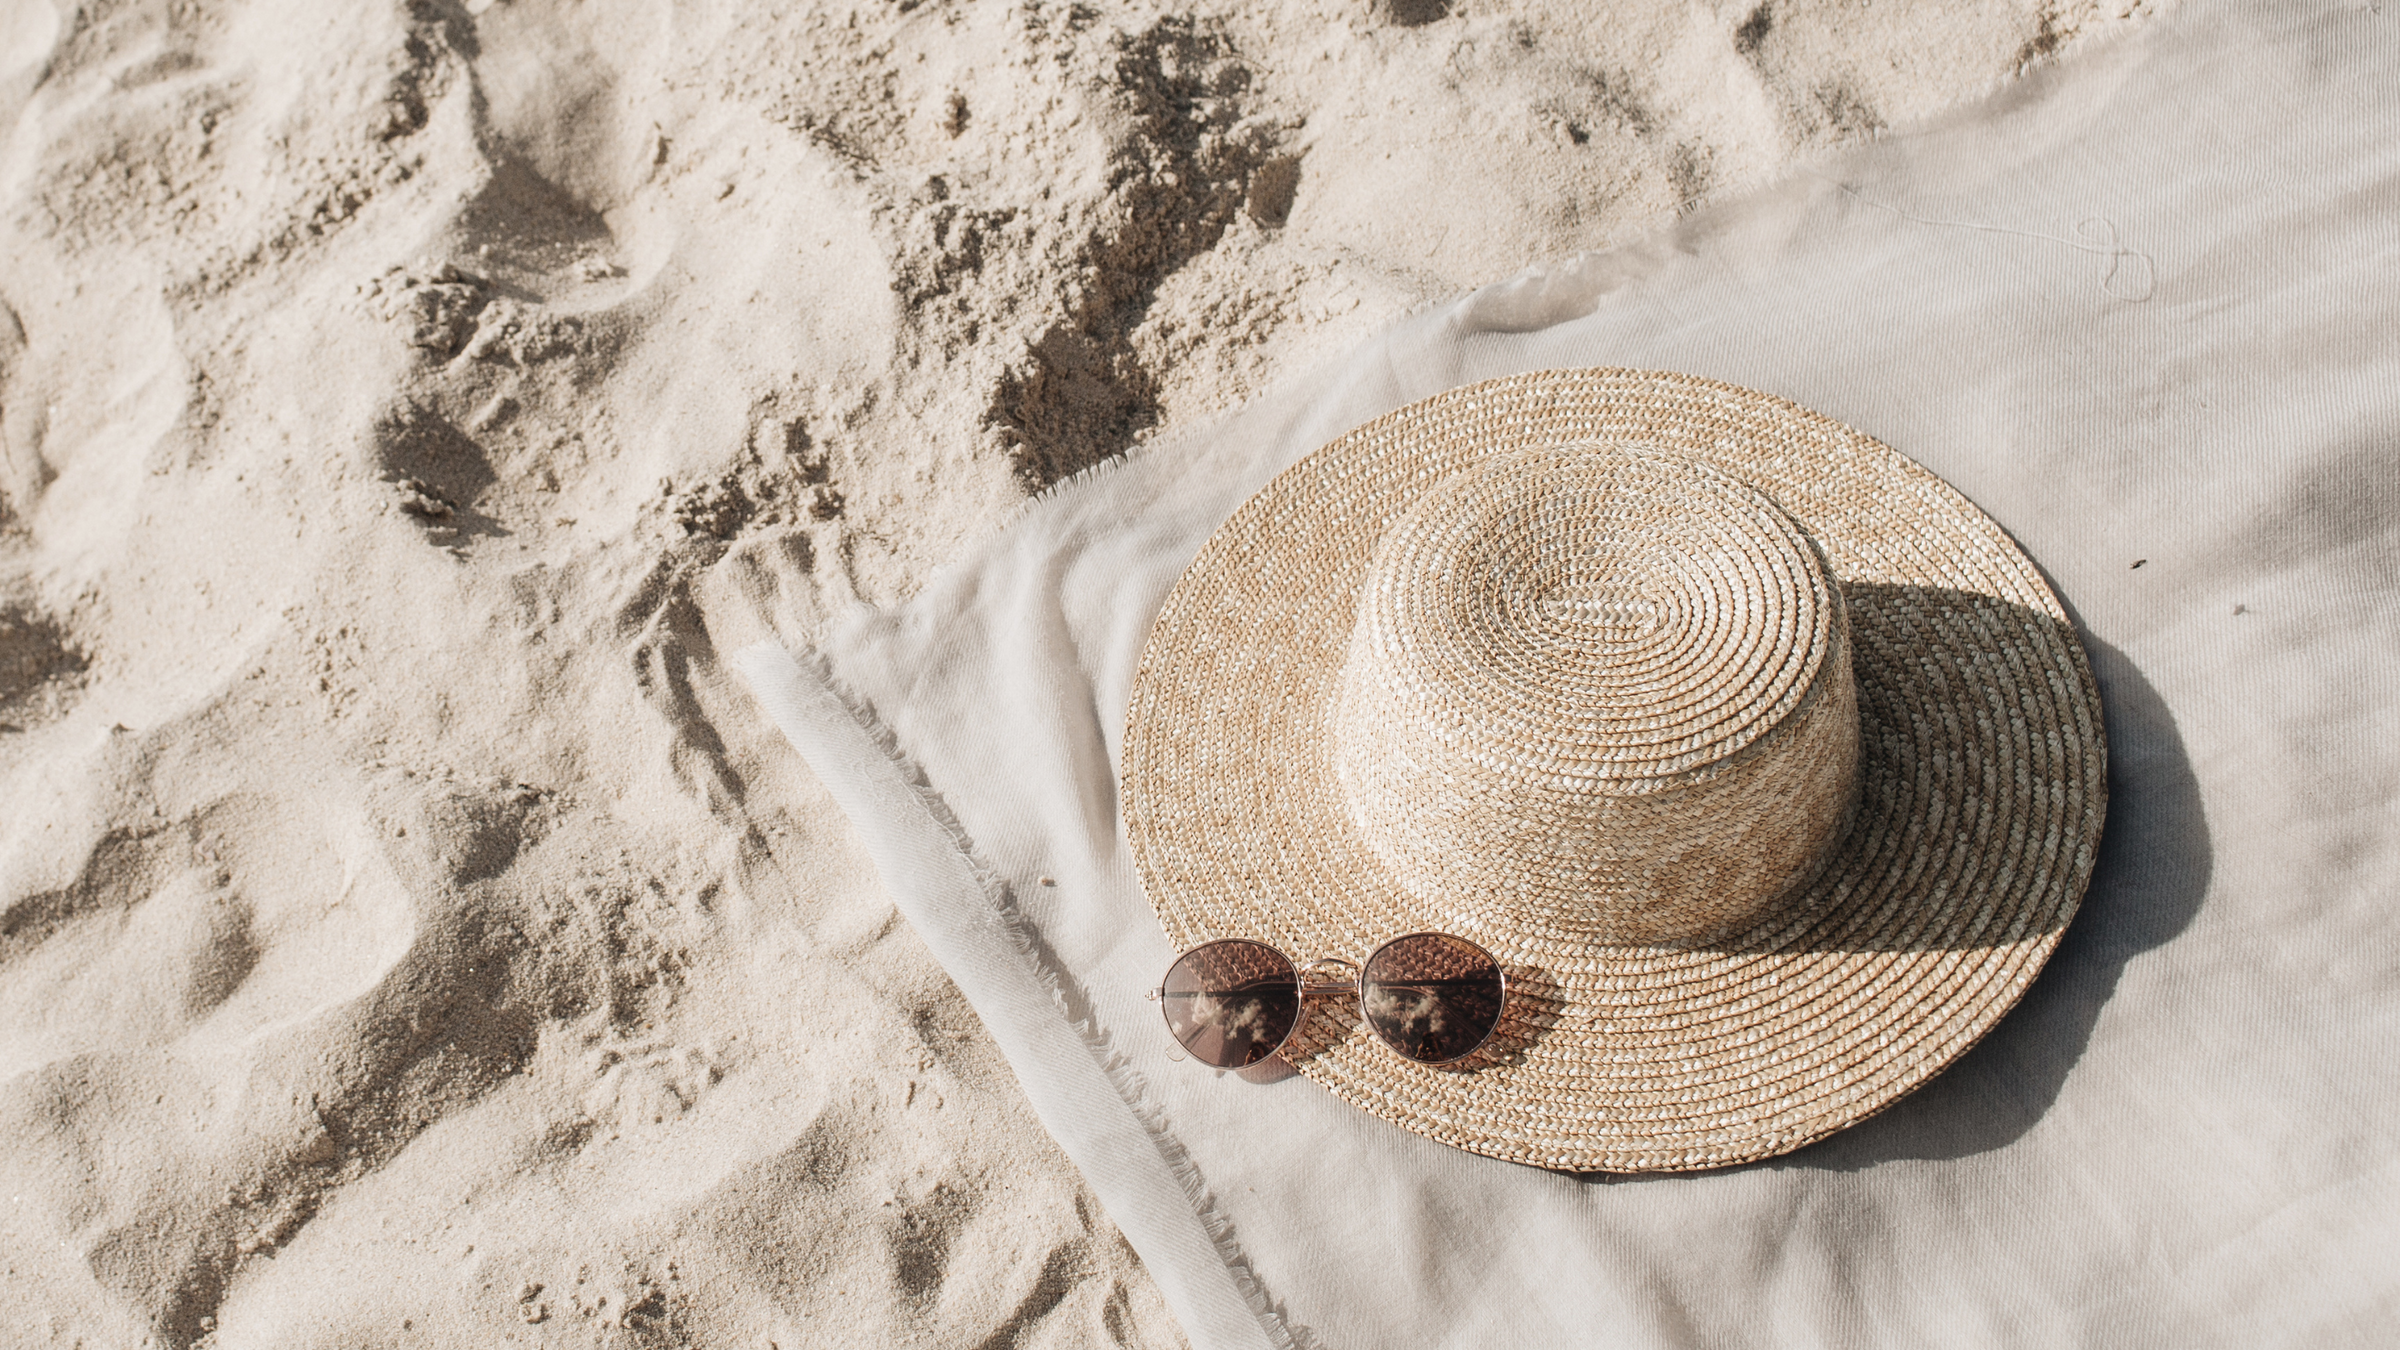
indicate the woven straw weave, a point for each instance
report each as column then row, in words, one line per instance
column 1596, row 694
column 1765, row 763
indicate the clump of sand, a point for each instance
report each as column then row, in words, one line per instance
column 408, row 929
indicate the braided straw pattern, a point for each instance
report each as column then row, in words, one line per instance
column 1598, row 694
column 1263, row 800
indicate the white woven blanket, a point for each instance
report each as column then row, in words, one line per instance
column 2145, row 310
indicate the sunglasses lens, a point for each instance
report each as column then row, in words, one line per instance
column 1232, row 1003
column 1432, row 997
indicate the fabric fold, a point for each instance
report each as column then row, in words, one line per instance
column 963, row 911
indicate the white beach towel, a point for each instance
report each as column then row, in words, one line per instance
column 2143, row 309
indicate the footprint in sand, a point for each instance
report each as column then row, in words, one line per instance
column 199, row 933
column 42, row 669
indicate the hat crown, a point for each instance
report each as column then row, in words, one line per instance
column 1603, row 689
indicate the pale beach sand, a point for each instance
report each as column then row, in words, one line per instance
column 410, row 932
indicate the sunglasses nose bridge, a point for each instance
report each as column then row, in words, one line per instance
column 1328, row 975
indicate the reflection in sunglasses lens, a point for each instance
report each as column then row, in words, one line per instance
column 1432, row 997
column 1232, row 1003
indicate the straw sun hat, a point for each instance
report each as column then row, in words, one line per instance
column 1768, row 767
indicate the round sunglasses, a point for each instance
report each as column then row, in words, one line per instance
column 1431, row 997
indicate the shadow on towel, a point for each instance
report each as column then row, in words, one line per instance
column 2147, row 883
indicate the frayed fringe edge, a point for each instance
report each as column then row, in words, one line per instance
column 1066, row 993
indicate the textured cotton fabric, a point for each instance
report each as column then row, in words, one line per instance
column 2145, row 311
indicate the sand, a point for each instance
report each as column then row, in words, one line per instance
column 409, row 931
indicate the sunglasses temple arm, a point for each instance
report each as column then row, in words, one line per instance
column 1327, row 975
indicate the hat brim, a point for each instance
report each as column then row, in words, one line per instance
column 1983, row 788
